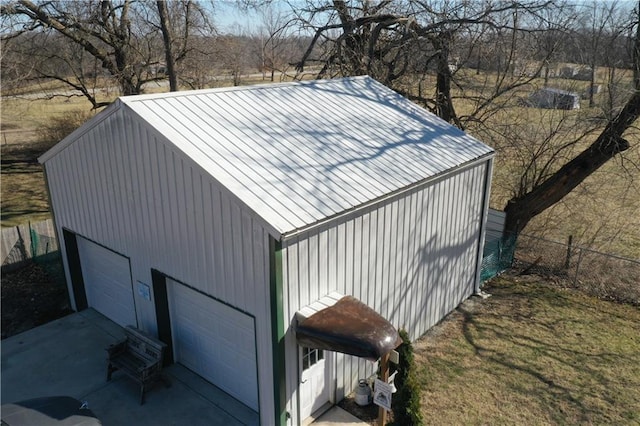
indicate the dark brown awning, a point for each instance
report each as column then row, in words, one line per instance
column 351, row 327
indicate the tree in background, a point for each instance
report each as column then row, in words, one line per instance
column 118, row 39
column 407, row 44
column 181, row 22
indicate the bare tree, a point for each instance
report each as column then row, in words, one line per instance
column 553, row 187
column 275, row 39
column 102, row 29
column 181, row 23
column 121, row 36
column 395, row 42
column 167, row 38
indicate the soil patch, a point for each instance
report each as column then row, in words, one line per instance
column 31, row 297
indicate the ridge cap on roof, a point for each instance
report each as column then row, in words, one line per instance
column 260, row 86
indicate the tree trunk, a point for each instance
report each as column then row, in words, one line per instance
column 167, row 40
column 444, row 105
column 520, row 210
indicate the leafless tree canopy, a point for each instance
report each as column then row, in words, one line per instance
column 473, row 63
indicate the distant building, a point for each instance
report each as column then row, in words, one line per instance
column 551, row 98
column 576, row 73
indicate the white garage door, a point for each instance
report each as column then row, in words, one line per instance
column 107, row 282
column 215, row 341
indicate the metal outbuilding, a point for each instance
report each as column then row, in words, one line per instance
column 210, row 218
column 551, row 98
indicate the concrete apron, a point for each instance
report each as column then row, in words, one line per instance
column 336, row 416
column 68, row 357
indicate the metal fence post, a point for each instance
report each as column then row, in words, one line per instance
column 575, row 279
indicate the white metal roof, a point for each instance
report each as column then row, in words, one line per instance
column 298, row 153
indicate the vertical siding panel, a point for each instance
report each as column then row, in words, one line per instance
column 218, row 239
column 99, row 185
column 358, row 256
column 377, row 284
column 412, row 260
column 152, row 193
column 303, row 272
column 88, row 191
column 372, row 251
column 396, row 278
column 454, row 239
column 166, row 256
column 142, row 191
column 187, row 220
column 159, row 201
column 341, row 253
column 174, row 205
column 451, row 238
column 363, row 282
column 362, row 268
column 388, row 256
column 246, row 263
column 226, row 290
column 426, row 274
column 117, row 150
column 332, row 258
column 236, row 260
column 349, row 256
column 194, row 233
column 407, row 260
column 78, row 199
column 416, row 285
column 307, row 293
column 311, row 259
column 327, row 285
column 183, row 218
column 438, row 250
column 208, row 237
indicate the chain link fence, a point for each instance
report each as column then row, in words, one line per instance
column 497, row 256
column 603, row 275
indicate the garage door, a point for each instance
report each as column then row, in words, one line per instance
column 107, row 282
column 215, row 341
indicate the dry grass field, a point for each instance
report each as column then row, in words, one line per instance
column 532, row 354
column 603, row 213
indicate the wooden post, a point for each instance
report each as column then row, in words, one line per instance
column 567, row 260
column 384, row 376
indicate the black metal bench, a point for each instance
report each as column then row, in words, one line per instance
column 139, row 356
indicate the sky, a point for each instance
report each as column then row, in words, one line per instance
column 230, row 19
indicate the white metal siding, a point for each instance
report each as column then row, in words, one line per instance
column 495, row 224
column 413, row 259
column 121, row 184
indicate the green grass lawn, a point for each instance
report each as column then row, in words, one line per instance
column 533, row 353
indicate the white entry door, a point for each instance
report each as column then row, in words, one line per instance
column 315, row 381
column 107, row 282
column 215, row 341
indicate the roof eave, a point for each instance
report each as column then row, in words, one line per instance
column 287, row 235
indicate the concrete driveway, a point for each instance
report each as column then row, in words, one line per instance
column 68, row 357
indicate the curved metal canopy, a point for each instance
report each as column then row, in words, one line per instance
column 351, row 327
